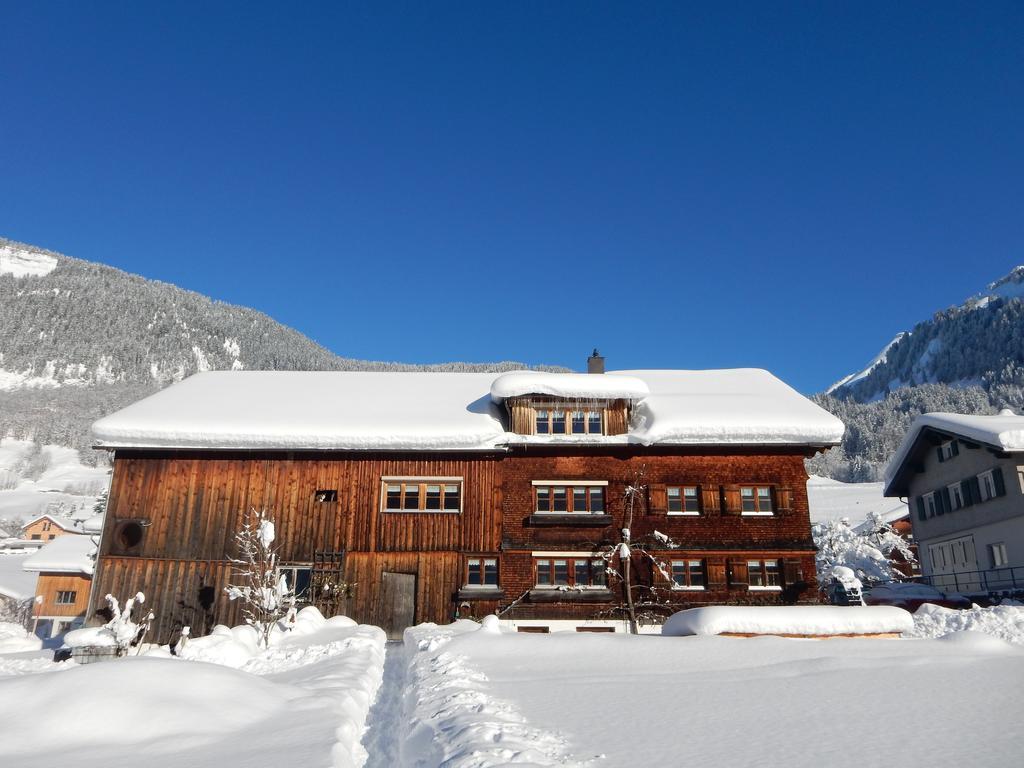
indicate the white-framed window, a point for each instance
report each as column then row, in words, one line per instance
column 956, row 496
column 562, row 421
column 421, row 494
column 987, row 485
column 683, row 500
column 688, row 575
column 930, row 504
column 580, row 572
column 997, row 554
column 482, row 572
column 756, row 500
column 948, row 450
column 66, row 597
column 764, row 574
column 298, row 577
column 570, row 498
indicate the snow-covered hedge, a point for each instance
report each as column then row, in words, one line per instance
column 819, row 620
column 1003, row 621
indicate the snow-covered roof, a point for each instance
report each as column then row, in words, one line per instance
column 65, row 554
column 577, row 386
column 64, row 523
column 254, row 410
column 1003, row 431
column 15, row 581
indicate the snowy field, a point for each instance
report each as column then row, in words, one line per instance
column 471, row 696
column 65, row 484
column 831, row 500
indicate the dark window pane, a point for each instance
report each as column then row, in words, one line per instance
column 594, row 423
column 474, row 572
column 582, row 573
column 597, row 573
column 412, row 497
column 543, row 498
column 771, row 573
column 679, row 573
column 579, row 499
column 542, row 422
column 691, row 500
column 579, row 425
column 303, row 576
column 749, row 504
column 561, row 572
column 675, row 502
column 696, row 568
column 394, row 497
column 433, row 497
column 597, row 501
column 764, row 499
column 451, row 497
column 558, row 422
column 491, row 572
column 559, row 499
column 544, row 572
column 755, row 573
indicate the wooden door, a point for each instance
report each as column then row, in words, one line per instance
column 398, row 603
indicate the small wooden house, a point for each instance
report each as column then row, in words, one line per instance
column 65, row 567
column 409, row 497
column 47, row 528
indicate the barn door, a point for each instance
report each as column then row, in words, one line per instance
column 398, row 602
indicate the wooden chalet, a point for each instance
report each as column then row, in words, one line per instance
column 408, row 497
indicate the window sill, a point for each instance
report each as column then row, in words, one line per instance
column 583, row 595
column 764, row 589
column 422, row 511
column 757, row 514
column 677, row 588
column 570, row 519
column 480, row 593
column 684, row 514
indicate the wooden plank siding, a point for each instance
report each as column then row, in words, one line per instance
column 49, row 584
column 190, row 504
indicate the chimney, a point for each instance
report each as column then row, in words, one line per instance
column 595, row 363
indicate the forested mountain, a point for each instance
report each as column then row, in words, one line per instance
column 79, row 340
column 968, row 359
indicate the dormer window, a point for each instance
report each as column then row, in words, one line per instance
column 556, row 421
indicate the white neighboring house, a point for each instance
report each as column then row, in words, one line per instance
column 65, row 567
column 963, row 477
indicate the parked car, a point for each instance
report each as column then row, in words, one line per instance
column 912, row 595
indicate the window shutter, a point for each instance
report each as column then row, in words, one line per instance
column 921, row 514
column 975, row 489
column 716, row 574
column 784, row 499
column 658, row 500
column 955, row 445
column 732, row 501
column 941, row 501
column 738, row 576
column 711, row 500
column 938, row 451
column 965, row 491
column 997, row 475
column 791, row 571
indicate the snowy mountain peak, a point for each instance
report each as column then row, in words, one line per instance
column 1009, row 287
column 21, row 262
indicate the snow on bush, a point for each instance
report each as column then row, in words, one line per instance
column 822, row 620
column 122, row 632
column 1003, row 621
column 15, row 639
column 868, row 553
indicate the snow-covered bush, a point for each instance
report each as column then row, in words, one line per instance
column 869, row 553
column 122, row 632
column 264, row 594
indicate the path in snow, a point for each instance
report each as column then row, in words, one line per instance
column 384, row 732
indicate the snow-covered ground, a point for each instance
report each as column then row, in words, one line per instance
column 472, row 696
column 15, row 581
column 488, row 699
column 303, row 702
column 65, row 486
column 831, row 500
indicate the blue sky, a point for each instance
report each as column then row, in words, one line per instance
column 691, row 186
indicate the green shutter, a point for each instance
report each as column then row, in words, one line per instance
column 921, row 514
column 997, row 475
column 966, row 492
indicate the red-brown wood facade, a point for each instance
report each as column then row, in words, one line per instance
column 172, row 516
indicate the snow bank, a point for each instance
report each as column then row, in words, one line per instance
column 15, row 639
column 15, row 581
column 575, row 386
column 303, row 702
column 823, row 620
column 1003, row 621
column 454, row 719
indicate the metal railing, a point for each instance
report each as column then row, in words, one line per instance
column 994, row 580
